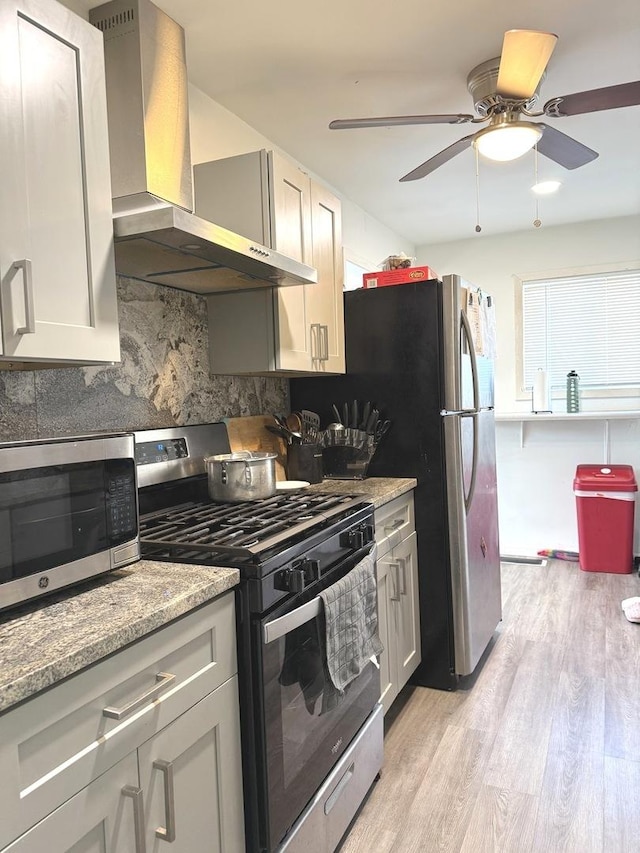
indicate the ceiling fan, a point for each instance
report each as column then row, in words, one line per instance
column 503, row 90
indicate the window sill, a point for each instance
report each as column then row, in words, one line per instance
column 566, row 416
column 556, row 417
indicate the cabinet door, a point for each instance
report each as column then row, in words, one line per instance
column 291, row 209
column 387, row 592
column 99, row 819
column 57, row 274
column 291, row 234
column 192, row 779
column 326, row 305
column 406, row 611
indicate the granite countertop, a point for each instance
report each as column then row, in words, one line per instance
column 46, row 641
column 379, row 490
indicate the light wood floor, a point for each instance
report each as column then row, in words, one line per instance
column 542, row 753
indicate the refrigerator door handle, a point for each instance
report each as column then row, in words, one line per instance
column 474, row 469
column 466, row 331
column 468, row 496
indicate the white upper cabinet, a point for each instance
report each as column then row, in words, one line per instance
column 57, row 274
column 268, row 198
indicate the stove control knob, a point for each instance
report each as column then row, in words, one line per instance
column 289, row 580
column 353, row 539
column 369, row 534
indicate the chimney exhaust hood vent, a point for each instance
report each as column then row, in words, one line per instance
column 157, row 238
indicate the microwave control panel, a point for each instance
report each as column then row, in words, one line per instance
column 122, row 505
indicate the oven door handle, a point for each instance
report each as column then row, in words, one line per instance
column 290, row 621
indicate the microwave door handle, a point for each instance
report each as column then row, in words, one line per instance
column 290, row 621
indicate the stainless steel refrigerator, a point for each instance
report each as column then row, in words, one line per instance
column 423, row 354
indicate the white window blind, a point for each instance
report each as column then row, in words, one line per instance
column 590, row 324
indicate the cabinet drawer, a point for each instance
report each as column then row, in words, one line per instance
column 55, row 744
column 394, row 522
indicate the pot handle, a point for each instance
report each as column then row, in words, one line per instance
column 247, row 474
column 223, row 473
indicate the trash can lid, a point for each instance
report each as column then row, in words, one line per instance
column 605, row 478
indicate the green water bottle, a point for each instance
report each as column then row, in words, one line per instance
column 573, row 392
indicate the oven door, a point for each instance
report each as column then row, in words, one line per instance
column 307, row 723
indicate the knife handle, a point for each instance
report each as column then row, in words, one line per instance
column 337, row 414
column 372, row 422
column 365, row 415
column 345, row 414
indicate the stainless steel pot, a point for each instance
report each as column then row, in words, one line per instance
column 246, row 475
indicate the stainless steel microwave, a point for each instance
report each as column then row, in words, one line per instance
column 68, row 511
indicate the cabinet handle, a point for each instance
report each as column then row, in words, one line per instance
column 324, row 338
column 168, row 831
column 394, row 525
column 394, row 581
column 138, row 816
column 27, row 284
column 314, row 332
column 164, row 679
column 403, row 575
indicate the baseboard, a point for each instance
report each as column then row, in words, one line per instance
column 534, row 561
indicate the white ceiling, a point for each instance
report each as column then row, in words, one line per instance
column 288, row 67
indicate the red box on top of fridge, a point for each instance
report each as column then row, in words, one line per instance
column 399, row 276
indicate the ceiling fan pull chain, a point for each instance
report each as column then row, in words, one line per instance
column 536, row 222
column 478, row 226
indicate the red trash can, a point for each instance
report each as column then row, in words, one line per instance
column 605, row 501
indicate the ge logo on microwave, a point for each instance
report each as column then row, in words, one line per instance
column 43, row 582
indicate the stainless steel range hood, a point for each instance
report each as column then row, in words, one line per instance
column 157, row 238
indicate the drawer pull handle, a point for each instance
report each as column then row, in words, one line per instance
column 138, row 816
column 395, row 524
column 337, row 791
column 168, row 831
column 164, row 679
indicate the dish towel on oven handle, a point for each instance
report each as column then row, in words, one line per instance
column 351, row 617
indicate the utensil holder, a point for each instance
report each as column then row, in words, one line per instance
column 304, row 462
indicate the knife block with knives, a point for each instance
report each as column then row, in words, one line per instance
column 349, row 444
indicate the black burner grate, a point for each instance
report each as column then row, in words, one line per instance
column 248, row 528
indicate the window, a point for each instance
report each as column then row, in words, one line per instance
column 587, row 323
column 354, row 267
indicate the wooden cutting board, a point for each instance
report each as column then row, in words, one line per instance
column 250, row 434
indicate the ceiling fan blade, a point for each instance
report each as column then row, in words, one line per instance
column 398, row 121
column 525, row 54
column 609, row 98
column 563, row 149
column 439, row 159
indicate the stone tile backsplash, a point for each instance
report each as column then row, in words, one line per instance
column 163, row 378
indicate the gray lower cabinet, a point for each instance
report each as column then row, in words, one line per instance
column 57, row 272
column 398, row 605
column 139, row 750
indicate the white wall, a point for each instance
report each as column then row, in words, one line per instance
column 537, row 461
column 492, row 263
column 216, row 133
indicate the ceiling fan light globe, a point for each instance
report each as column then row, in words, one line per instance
column 507, row 141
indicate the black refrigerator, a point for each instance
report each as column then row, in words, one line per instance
column 423, row 354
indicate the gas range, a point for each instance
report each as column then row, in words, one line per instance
column 240, row 534
column 266, row 539
column 289, row 548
